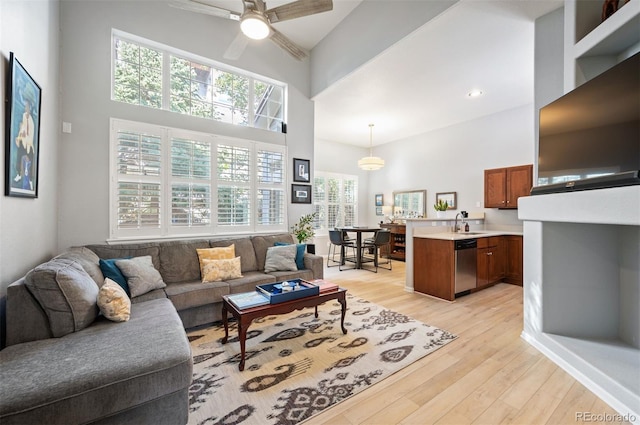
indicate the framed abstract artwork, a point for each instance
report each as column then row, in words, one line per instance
column 22, row 132
column 300, row 194
column 301, row 171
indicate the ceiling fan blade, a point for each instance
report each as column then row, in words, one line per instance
column 289, row 46
column 298, row 9
column 196, row 6
column 237, row 46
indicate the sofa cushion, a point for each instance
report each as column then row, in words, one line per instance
column 128, row 250
column 281, row 258
column 93, row 374
column 248, row 282
column 262, row 243
column 141, row 275
column 219, row 270
column 302, row 247
column 66, row 293
column 151, row 295
column 187, row 295
column 111, row 271
column 113, row 302
column 244, row 250
column 87, row 259
column 179, row 260
column 288, row 275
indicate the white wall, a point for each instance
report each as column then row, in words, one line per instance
column 452, row 159
column 28, row 234
column 86, row 77
column 367, row 31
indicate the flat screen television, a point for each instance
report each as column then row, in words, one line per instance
column 590, row 137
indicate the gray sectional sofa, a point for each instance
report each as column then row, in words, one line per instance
column 138, row 371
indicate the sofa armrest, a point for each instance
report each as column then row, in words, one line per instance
column 315, row 263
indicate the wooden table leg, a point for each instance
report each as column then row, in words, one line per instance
column 343, row 302
column 242, row 335
column 225, row 322
column 316, row 312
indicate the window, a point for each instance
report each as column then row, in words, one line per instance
column 335, row 200
column 173, row 182
column 194, row 85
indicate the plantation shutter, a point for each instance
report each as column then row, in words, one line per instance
column 234, row 186
column 138, row 173
column 320, row 203
column 190, row 183
column 271, row 200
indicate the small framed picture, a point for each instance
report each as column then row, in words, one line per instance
column 300, row 194
column 301, row 171
column 379, row 199
column 379, row 211
column 449, row 198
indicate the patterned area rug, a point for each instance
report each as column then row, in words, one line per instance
column 297, row 365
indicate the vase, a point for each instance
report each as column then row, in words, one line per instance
column 440, row 214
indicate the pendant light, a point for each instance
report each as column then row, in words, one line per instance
column 371, row 163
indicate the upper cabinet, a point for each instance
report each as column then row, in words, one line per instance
column 591, row 45
column 503, row 186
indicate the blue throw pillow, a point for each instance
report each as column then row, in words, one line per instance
column 299, row 253
column 110, row 270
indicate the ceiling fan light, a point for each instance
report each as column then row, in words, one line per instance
column 254, row 25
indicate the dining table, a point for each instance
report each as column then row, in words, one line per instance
column 359, row 230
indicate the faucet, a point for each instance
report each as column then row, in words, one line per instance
column 464, row 214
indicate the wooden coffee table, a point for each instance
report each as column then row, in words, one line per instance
column 246, row 316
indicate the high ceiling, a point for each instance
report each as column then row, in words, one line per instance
column 421, row 83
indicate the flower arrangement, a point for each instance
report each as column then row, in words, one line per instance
column 441, row 205
column 303, row 229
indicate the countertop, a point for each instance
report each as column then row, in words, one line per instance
column 450, row 236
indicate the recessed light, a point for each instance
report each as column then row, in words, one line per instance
column 475, row 93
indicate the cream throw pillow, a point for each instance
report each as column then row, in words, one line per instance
column 220, row 253
column 113, row 302
column 141, row 275
column 217, row 270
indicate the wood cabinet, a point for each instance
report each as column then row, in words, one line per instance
column 490, row 266
column 398, row 243
column 503, row 186
column 513, row 266
column 434, row 267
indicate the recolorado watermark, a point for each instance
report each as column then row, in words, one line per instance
column 604, row 417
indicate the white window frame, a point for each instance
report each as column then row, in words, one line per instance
column 165, row 229
column 168, row 52
column 322, row 226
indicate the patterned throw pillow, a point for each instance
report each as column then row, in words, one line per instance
column 217, row 270
column 113, row 302
column 281, row 258
column 142, row 276
column 220, row 253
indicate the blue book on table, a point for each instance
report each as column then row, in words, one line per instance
column 248, row 299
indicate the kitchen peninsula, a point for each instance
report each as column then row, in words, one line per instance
column 447, row 264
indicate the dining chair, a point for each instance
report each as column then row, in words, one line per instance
column 381, row 245
column 337, row 240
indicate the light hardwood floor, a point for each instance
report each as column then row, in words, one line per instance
column 489, row 375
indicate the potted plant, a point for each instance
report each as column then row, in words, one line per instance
column 441, row 206
column 303, row 230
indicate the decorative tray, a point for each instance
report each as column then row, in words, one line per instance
column 275, row 293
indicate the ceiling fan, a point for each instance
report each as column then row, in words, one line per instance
column 256, row 21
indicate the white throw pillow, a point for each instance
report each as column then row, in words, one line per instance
column 113, row 302
column 281, row 258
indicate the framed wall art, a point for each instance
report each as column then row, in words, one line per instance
column 379, row 199
column 449, row 198
column 301, row 170
column 22, row 132
column 300, row 194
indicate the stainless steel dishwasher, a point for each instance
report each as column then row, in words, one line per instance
column 465, row 251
